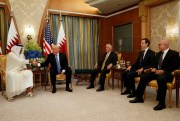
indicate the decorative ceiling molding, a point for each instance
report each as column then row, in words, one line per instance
column 93, row 15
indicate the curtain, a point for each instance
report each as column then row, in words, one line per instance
column 4, row 26
column 82, row 39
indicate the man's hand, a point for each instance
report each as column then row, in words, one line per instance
column 95, row 66
column 129, row 68
column 33, row 62
column 153, row 70
column 63, row 71
column 140, row 71
column 109, row 66
column 159, row 72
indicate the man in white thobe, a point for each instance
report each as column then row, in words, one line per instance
column 18, row 79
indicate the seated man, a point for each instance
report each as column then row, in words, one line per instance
column 18, row 79
column 144, row 60
column 108, row 61
column 166, row 61
column 59, row 64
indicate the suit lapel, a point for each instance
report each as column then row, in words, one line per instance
column 146, row 55
column 166, row 57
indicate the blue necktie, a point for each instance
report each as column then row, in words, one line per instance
column 58, row 64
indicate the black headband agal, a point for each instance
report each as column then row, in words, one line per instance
column 20, row 45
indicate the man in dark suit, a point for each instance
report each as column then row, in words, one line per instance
column 109, row 60
column 58, row 64
column 144, row 60
column 166, row 61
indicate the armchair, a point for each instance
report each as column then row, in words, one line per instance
column 153, row 84
column 59, row 77
column 3, row 71
column 108, row 76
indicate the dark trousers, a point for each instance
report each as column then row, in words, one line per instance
column 128, row 78
column 161, row 81
column 68, row 74
column 102, row 78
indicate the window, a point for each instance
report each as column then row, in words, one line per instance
column 123, row 38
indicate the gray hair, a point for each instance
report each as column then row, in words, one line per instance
column 109, row 45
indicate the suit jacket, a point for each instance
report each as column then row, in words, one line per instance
column 170, row 61
column 51, row 60
column 147, row 62
column 111, row 59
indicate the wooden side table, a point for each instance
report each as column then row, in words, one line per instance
column 177, row 77
column 120, row 71
column 39, row 72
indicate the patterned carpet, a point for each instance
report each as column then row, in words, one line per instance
column 83, row 105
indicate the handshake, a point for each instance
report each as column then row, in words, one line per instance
column 33, row 62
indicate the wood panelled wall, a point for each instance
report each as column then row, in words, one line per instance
column 106, row 32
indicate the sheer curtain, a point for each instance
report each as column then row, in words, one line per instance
column 4, row 25
column 82, row 39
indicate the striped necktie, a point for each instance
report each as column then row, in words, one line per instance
column 160, row 60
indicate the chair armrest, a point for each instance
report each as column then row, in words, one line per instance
column 174, row 73
column 2, row 71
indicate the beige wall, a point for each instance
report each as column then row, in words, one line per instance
column 28, row 13
column 161, row 17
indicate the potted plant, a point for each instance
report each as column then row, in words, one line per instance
column 33, row 51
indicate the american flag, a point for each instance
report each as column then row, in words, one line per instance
column 47, row 43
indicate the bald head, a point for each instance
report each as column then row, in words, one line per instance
column 163, row 44
column 108, row 48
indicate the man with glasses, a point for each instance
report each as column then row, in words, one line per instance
column 166, row 61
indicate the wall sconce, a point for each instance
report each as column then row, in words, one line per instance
column 29, row 32
column 172, row 33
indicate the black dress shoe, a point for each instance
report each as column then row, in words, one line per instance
column 160, row 106
column 54, row 91
column 126, row 92
column 137, row 100
column 68, row 89
column 131, row 95
column 90, row 86
column 100, row 89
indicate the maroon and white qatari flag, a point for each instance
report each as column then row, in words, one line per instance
column 13, row 37
column 61, row 40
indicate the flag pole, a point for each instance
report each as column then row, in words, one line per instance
column 47, row 15
column 60, row 16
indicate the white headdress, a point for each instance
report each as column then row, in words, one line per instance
column 16, row 49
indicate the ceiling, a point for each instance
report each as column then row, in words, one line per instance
column 110, row 6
